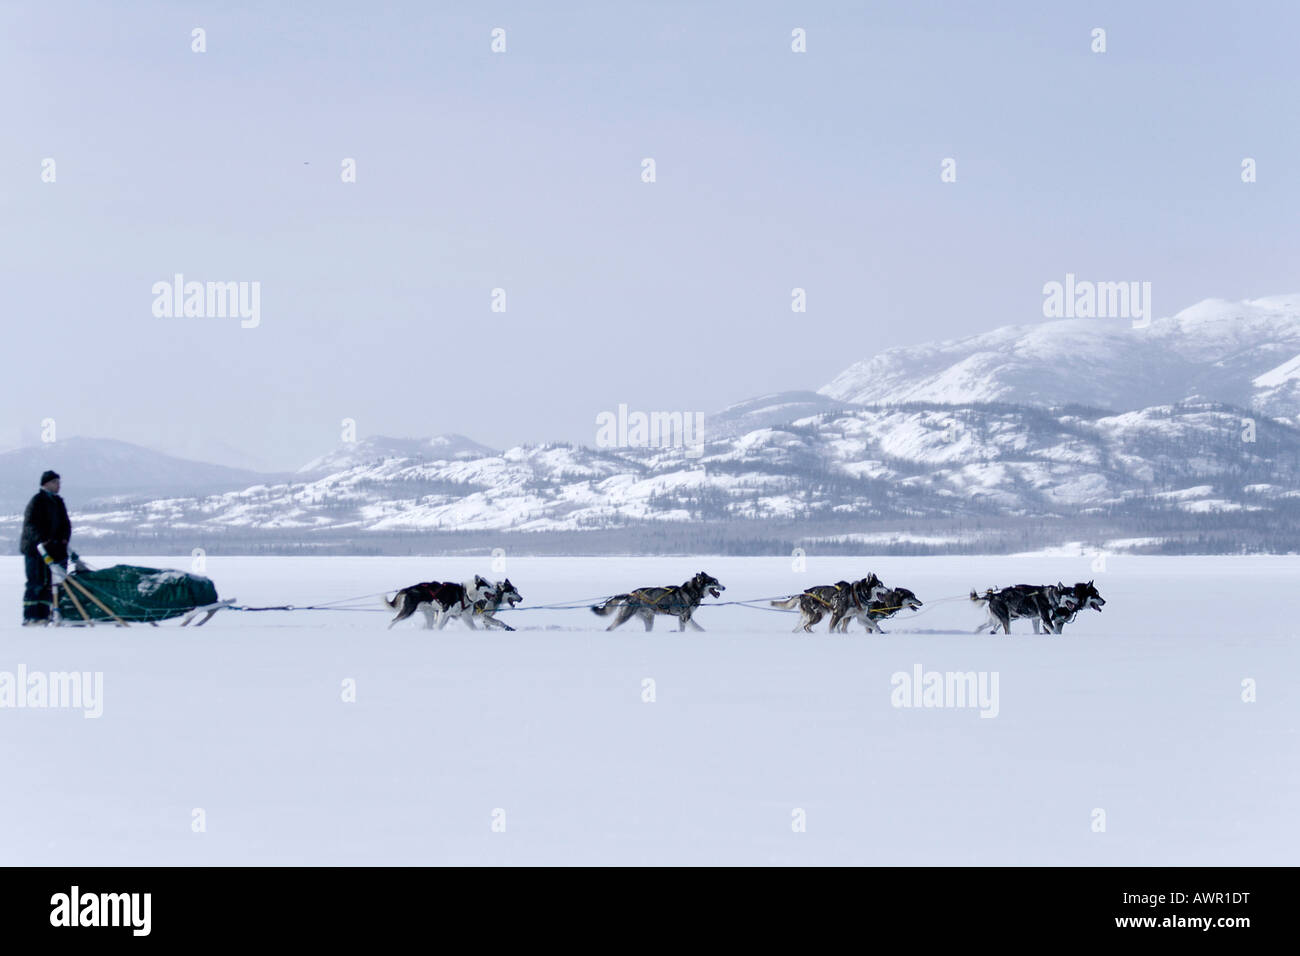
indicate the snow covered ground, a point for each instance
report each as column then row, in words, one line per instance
column 1136, row 712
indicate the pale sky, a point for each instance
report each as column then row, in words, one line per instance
column 522, row 170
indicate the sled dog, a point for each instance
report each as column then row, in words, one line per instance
column 837, row 600
column 1082, row 596
column 881, row 608
column 503, row 592
column 1044, row 604
column 440, row 601
column 680, row 601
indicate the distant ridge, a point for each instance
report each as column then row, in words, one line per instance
column 1180, row 436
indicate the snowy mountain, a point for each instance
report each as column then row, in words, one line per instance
column 96, row 469
column 1150, row 473
column 1239, row 353
column 1178, row 436
column 380, row 448
column 767, row 411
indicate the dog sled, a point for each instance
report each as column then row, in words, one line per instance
column 126, row 594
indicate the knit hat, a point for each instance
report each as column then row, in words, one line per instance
column 49, row 476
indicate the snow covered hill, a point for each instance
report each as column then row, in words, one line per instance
column 1238, row 353
column 836, row 472
column 1181, row 435
column 96, row 469
column 380, row 447
column 767, row 411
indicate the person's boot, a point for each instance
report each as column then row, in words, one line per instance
column 37, row 613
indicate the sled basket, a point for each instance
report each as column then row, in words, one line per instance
column 138, row 594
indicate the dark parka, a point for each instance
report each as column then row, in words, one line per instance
column 46, row 522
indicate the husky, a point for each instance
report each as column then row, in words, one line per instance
column 837, row 599
column 440, row 601
column 680, row 601
column 1045, row 604
column 503, row 592
column 882, row 607
column 1082, row 596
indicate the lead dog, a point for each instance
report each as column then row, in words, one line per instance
column 1082, row 596
column 881, row 608
column 680, row 601
column 837, row 599
column 1045, row 604
column 503, row 592
column 439, row 600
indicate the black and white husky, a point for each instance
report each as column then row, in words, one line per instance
column 1082, row 596
column 1045, row 604
column 503, row 592
column 440, row 601
column 881, row 608
column 680, row 601
column 839, row 600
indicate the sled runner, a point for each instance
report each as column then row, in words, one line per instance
column 126, row 594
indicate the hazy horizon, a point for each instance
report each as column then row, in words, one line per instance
column 522, row 170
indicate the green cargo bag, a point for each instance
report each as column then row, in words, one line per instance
column 136, row 594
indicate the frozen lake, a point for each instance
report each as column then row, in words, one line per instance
column 1136, row 711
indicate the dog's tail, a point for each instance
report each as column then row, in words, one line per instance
column 390, row 604
column 600, row 610
column 788, row 602
column 980, row 598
